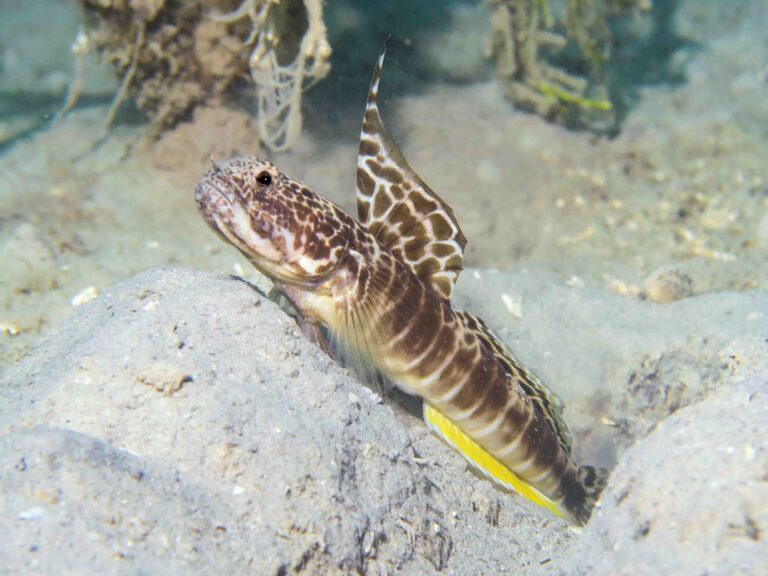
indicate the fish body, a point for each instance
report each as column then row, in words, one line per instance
column 381, row 286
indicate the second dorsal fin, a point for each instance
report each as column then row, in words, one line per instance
column 547, row 402
column 399, row 209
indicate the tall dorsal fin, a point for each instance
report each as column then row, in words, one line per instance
column 548, row 403
column 399, row 209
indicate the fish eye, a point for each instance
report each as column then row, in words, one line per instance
column 264, row 178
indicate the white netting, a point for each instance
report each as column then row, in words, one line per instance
column 279, row 86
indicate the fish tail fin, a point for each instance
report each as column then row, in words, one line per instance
column 592, row 481
column 483, row 461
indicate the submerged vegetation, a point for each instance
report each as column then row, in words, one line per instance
column 172, row 56
column 527, row 34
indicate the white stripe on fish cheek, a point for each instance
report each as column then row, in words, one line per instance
column 288, row 238
column 241, row 224
column 297, row 255
column 313, row 266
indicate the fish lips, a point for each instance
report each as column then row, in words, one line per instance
column 213, row 205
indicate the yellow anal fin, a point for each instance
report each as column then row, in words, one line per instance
column 484, row 461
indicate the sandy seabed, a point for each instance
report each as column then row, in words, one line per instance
column 629, row 273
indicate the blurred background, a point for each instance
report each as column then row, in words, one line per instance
column 619, row 144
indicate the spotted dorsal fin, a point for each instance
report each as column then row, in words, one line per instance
column 546, row 401
column 399, row 209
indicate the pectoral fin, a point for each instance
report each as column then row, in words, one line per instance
column 483, row 460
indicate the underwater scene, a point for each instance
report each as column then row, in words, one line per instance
column 352, row 287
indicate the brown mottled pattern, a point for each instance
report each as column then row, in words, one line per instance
column 382, row 289
column 547, row 404
column 256, row 208
column 338, row 274
column 402, row 212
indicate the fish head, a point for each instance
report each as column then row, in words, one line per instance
column 288, row 232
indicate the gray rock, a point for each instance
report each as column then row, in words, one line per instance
column 73, row 503
column 622, row 365
column 691, row 498
column 190, row 426
column 180, row 423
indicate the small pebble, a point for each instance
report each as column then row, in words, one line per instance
column 35, row 513
column 514, row 305
column 85, row 295
column 9, row 329
column 666, row 284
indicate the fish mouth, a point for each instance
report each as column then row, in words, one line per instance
column 210, row 194
column 230, row 220
column 211, row 202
